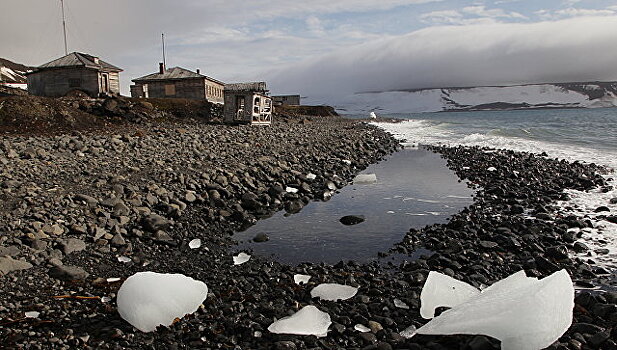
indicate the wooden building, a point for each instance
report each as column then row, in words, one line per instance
column 286, row 100
column 178, row 82
column 74, row 73
column 247, row 103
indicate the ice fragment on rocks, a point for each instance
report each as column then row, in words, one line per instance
column 361, row 328
column 311, row 176
column 441, row 290
column 491, row 169
column 147, row 299
column 333, row 291
column 400, row 304
column 365, row 179
column 32, row 314
column 301, row 279
column 113, row 279
column 408, row 332
column 308, row 321
column 291, row 190
column 522, row 312
column 194, row 244
column 124, row 259
column 241, row 258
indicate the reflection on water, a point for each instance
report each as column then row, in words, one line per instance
column 413, row 188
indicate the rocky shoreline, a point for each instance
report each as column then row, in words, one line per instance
column 80, row 209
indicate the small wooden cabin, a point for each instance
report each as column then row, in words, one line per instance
column 286, row 100
column 247, row 103
column 178, row 82
column 74, row 73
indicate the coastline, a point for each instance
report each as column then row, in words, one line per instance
column 209, row 202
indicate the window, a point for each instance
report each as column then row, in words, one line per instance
column 74, row 83
column 170, row 90
column 256, row 105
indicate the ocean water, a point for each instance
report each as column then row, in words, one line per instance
column 587, row 135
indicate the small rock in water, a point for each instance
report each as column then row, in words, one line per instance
column 301, row 279
column 361, row 328
column 261, row 237
column 308, row 321
column 333, row 291
column 194, row 244
column 352, row 219
column 241, row 258
column 613, row 201
column 147, row 299
column 602, row 209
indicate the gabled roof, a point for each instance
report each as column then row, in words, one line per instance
column 174, row 73
column 259, row 86
column 78, row 59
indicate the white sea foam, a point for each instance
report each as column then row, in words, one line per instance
column 582, row 204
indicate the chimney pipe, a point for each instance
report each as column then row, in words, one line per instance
column 197, row 70
column 161, row 67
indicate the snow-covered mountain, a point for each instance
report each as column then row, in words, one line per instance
column 536, row 96
column 13, row 74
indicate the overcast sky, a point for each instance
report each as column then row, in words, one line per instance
column 328, row 45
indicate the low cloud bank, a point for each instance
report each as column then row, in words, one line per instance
column 580, row 49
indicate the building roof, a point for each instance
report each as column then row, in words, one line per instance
column 174, row 73
column 259, row 86
column 78, row 59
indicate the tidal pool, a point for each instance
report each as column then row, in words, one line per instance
column 413, row 188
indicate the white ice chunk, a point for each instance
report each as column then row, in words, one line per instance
column 194, row 244
column 105, row 299
column 373, row 115
column 311, row 176
column 32, row 314
column 124, row 259
column 291, row 190
column 346, row 161
column 400, row 304
column 333, row 291
column 241, row 258
column 365, row 179
column 491, row 169
column 441, row 290
column 113, row 279
column 408, row 332
column 361, row 328
column 148, row 299
column 301, row 279
column 523, row 313
column 308, row 321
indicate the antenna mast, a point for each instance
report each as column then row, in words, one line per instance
column 66, row 51
column 163, row 40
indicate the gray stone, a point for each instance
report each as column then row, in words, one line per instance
column 190, row 196
column 121, row 209
column 9, row 251
column 70, row 245
column 154, row 223
column 118, row 240
column 161, row 235
column 8, row 264
column 67, row 273
column 91, row 201
column 261, row 237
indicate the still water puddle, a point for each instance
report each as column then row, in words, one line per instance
column 413, row 188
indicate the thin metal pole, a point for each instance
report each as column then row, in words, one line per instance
column 163, row 39
column 66, row 50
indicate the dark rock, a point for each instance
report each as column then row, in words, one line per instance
column 8, row 264
column 488, row 244
column 68, row 273
column 261, row 237
column 352, row 219
column 70, row 245
column 481, row 342
column 294, row 206
column 601, row 209
column 580, row 247
column 154, row 222
column 558, row 252
column 285, row 345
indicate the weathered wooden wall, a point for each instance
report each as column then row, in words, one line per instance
column 57, row 82
column 214, row 91
column 185, row 88
column 287, row 100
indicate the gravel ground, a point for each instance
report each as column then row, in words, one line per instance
column 73, row 204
